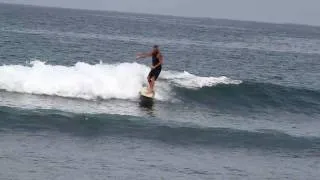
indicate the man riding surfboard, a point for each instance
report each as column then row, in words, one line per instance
column 157, row 60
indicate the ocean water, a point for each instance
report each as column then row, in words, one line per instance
column 235, row 100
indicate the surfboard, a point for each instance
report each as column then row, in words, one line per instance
column 143, row 92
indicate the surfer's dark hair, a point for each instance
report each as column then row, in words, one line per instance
column 156, row 50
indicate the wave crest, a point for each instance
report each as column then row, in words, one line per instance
column 106, row 81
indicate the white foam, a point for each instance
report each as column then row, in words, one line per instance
column 120, row 81
column 191, row 81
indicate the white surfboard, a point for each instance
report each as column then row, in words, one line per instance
column 143, row 92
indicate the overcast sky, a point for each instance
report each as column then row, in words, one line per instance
column 280, row 11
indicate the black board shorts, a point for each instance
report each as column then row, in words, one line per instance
column 155, row 73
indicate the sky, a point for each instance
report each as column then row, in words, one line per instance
column 278, row 11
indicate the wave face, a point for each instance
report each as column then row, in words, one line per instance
column 106, row 81
column 124, row 80
column 255, row 95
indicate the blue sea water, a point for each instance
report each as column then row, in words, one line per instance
column 235, row 100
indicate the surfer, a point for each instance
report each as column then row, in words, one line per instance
column 157, row 60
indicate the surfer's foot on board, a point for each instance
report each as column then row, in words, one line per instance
column 149, row 91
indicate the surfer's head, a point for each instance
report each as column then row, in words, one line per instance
column 155, row 49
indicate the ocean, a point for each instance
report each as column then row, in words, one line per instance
column 234, row 100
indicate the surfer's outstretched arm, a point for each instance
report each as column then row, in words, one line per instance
column 143, row 55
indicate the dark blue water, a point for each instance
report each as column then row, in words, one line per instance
column 235, row 100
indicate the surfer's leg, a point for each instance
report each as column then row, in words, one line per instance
column 152, row 82
column 153, row 76
column 150, row 75
column 149, row 80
